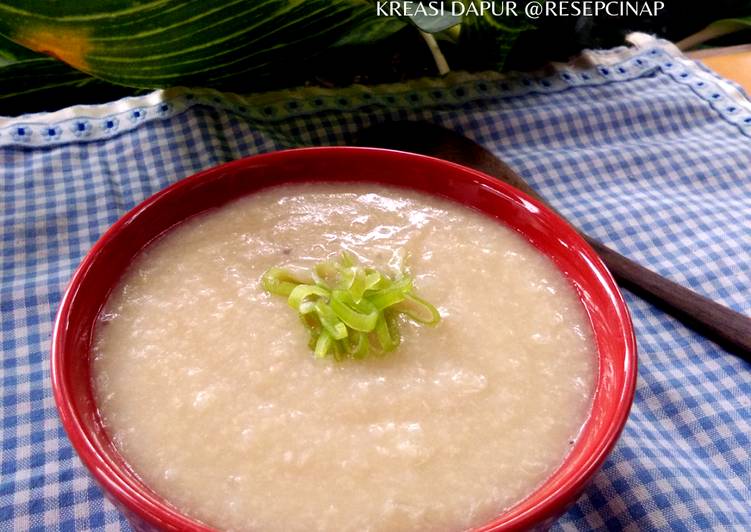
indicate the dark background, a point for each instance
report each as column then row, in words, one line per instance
column 560, row 37
column 405, row 56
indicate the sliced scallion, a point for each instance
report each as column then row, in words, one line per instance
column 348, row 310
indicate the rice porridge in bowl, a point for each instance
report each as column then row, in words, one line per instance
column 208, row 386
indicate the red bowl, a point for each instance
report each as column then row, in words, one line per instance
column 111, row 255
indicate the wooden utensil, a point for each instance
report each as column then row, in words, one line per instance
column 730, row 329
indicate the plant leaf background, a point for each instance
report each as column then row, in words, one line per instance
column 54, row 54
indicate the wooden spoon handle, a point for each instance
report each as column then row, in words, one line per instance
column 725, row 326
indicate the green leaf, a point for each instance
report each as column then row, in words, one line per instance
column 339, row 320
column 46, row 84
column 715, row 30
column 367, row 30
column 239, row 45
column 734, row 24
column 11, row 52
column 486, row 40
column 157, row 43
column 422, row 15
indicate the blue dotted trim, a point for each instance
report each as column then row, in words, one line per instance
column 456, row 90
column 704, row 86
column 91, row 127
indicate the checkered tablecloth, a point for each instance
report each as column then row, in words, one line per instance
column 640, row 147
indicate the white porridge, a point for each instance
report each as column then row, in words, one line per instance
column 210, row 391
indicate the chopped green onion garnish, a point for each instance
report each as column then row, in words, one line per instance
column 358, row 286
column 418, row 309
column 302, row 293
column 360, row 316
column 330, row 321
column 349, row 310
column 322, row 346
column 386, row 338
column 361, row 346
column 279, row 282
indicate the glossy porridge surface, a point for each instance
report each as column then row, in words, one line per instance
column 210, row 392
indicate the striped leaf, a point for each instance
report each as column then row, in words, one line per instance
column 11, row 52
column 31, row 82
column 239, row 45
column 46, row 84
column 228, row 44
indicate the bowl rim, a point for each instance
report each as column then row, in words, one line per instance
column 146, row 507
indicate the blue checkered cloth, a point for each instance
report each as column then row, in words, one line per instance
column 641, row 148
